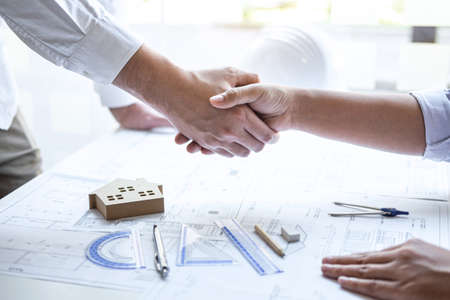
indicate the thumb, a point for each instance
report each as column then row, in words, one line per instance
column 236, row 96
column 245, row 78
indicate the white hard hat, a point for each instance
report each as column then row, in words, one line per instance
column 292, row 56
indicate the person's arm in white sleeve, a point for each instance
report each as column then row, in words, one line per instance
column 81, row 36
column 128, row 111
column 435, row 106
column 78, row 35
column 111, row 96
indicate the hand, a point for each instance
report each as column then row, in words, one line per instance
column 414, row 270
column 138, row 116
column 230, row 132
column 272, row 103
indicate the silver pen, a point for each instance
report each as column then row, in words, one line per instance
column 160, row 254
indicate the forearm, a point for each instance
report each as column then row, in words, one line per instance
column 151, row 78
column 386, row 122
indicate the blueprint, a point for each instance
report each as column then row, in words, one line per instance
column 50, row 201
column 59, row 254
column 46, row 225
column 325, row 236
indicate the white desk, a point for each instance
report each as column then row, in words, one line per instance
column 13, row 288
column 291, row 182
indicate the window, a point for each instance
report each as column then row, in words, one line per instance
column 257, row 12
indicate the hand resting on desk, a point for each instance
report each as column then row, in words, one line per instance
column 415, row 270
column 138, row 116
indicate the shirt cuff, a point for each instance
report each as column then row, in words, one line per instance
column 104, row 51
column 113, row 97
column 435, row 106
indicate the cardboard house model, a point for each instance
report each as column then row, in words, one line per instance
column 127, row 198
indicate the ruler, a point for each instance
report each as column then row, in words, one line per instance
column 242, row 240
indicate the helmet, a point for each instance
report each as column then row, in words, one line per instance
column 292, row 56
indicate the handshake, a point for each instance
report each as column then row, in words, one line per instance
column 227, row 111
column 208, row 108
column 231, row 114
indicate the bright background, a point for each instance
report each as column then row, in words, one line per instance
column 372, row 46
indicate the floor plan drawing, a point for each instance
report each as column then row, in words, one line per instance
column 46, row 226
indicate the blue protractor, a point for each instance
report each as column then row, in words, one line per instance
column 95, row 255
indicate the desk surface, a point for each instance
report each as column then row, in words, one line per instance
column 293, row 182
column 24, row 288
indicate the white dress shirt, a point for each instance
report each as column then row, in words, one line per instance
column 76, row 34
column 435, row 106
column 110, row 95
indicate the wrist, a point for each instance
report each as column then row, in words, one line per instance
column 168, row 86
column 151, row 78
column 298, row 113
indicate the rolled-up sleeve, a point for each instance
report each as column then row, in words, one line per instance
column 76, row 34
column 435, row 106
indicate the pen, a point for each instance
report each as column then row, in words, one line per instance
column 271, row 243
column 160, row 254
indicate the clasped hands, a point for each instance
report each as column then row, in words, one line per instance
column 229, row 128
column 243, row 115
